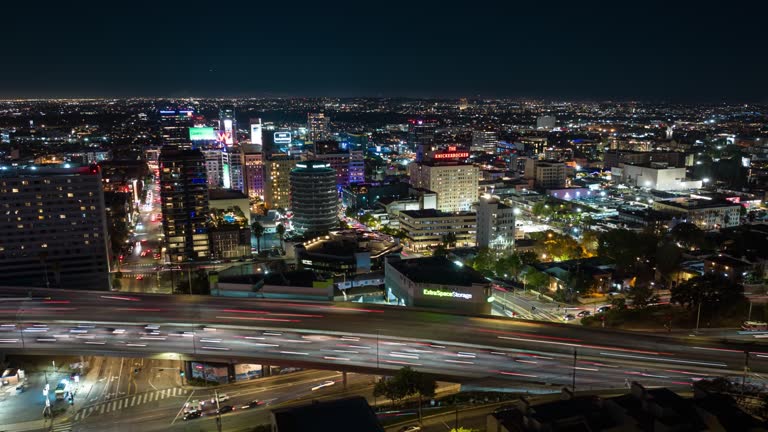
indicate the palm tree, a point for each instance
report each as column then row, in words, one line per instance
column 258, row 231
column 281, row 233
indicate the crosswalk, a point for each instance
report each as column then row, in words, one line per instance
column 62, row 427
column 129, row 401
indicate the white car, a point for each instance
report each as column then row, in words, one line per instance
column 324, row 384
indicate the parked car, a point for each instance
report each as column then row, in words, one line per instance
column 584, row 313
column 569, row 317
column 603, row 309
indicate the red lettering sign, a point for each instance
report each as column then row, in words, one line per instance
column 460, row 155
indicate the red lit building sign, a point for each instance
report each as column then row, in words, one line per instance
column 452, row 153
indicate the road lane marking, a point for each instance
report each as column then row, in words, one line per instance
column 662, row 359
column 182, row 406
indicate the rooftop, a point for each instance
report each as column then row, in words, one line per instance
column 431, row 213
column 225, row 194
column 438, row 270
column 351, row 414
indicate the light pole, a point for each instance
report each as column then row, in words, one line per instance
column 698, row 316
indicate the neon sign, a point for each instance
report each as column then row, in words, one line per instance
column 224, row 137
column 457, row 155
column 452, row 294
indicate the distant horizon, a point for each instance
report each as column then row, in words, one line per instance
column 546, row 100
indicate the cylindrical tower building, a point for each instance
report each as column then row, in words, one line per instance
column 314, row 199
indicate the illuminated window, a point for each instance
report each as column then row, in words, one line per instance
column 14, row 190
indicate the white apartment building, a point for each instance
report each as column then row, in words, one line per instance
column 495, row 224
column 454, row 183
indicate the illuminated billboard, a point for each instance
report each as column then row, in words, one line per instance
column 256, row 134
column 202, row 134
column 282, row 137
column 229, row 131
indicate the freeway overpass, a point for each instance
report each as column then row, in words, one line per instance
column 358, row 337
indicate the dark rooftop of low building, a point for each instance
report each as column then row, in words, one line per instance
column 351, row 414
column 438, row 270
column 225, row 194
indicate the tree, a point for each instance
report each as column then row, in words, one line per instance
column 537, row 280
column 390, row 389
column 484, row 261
column 440, row 250
column 580, row 282
column 626, row 248
column 529, row 258
column 415, row 383
column 258, row 231
column 707, row 290
column 281, row 233
column 688, row 235
column 668, row 257
column 641, row 296
column 450, row 239
column 509, row 266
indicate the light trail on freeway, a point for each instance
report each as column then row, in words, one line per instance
column 358, row 337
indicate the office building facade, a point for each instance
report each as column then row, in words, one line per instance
column 277, row 181
column 455, row 183
column 421, row 137
column 426, row 229
column 485, row 141
column 174, row 127
column 53, row 228
column 545, row 174
column 184, row 201
column 314, row 197
column 495, row 224
column 317, row 127
column 253, row 171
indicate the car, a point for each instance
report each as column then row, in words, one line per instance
column 324, row 384
column 222, row 398
column 410, row 428
column 139, row 277
column 603, row 309
column 251, row 404
column 20, row 389
column 193, row 415
column 584, row 313
column 569, row 317
column 225, row 409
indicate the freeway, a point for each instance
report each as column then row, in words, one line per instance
column 357, row 337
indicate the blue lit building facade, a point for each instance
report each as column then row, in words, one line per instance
column 184, row 199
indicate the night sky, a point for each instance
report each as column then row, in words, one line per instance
column 652, row 51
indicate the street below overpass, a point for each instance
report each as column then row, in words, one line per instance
column 364, row 338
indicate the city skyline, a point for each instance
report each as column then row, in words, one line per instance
column 564, row 51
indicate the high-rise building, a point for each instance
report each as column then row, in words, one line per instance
column 213, row 168
column 314, row 197
column 485, row 141
column 256, row 132
column 253, row 170
column 277, row 184
column 546, row 122
column 421, row 137
column 184, row 201
column 232, row 168
column 348, row 164
column 317, row 127
column 53, row 229
column 545, row 174
column 495, row 224
column 174, row 127
column 454, row 182
column 228, row 125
